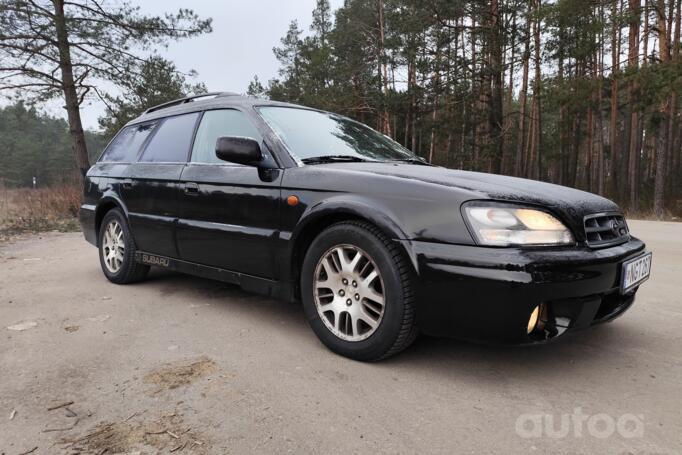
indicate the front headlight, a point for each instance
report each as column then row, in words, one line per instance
column 506, row 226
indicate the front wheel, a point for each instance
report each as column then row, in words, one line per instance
column 117, row 250
column 357, row 292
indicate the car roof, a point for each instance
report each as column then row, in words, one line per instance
column 214, row 100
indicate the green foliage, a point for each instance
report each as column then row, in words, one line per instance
column 441, row 72
column 103, row 40
column 159, row 81
column 256, row 89
column 289, row 56
column 75, row 48
column 33, row 144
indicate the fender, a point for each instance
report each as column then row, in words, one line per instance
column 108, row 198
column 354, row 205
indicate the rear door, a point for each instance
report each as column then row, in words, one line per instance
column 229, row 212
column 151, row 192
column 114, row 167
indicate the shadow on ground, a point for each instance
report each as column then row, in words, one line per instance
column 574, row 353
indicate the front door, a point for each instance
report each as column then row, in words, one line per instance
column 229, row 212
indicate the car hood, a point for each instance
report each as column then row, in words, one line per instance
column 570, row 202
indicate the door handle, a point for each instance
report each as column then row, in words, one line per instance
column 127, row 184
column 191, row 189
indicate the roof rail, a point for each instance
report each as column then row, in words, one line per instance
column 187, row 99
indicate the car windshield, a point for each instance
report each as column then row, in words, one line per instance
column 314, row 136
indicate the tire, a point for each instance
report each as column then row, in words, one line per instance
column 123, row 269
column 348, row 316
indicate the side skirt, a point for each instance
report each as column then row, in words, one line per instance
column 249, row 283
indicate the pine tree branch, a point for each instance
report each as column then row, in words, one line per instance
column 29, row 85
column 31, row 72
column 137, row 26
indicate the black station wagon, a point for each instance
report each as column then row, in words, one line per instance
column 379, row 246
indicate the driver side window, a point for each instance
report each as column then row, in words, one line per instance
column 218, row 123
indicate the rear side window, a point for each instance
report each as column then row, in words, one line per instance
column 127, row 143
column 171, row 141
column 219, row 123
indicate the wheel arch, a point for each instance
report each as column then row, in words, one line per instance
column 106, row 204
column 320, row 217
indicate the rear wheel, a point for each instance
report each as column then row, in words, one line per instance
column 357, row 292
column 117, row 250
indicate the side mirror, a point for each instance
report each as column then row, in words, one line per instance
column 242, row 150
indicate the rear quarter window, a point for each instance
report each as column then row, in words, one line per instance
column 127, row 143
column 172, row 140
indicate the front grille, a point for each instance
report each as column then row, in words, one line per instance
column 605, row 229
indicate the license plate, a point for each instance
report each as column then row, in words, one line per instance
column 635, row 271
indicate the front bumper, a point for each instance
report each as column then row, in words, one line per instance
column 487, row 294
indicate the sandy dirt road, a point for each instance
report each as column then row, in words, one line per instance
column 185, row 365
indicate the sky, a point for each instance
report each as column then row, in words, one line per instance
column 240, row 46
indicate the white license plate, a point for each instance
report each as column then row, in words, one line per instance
column 635, row 271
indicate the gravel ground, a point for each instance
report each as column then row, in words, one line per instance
column 182, row 365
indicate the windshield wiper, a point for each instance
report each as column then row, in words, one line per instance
column 412, row 160
column 334, row 159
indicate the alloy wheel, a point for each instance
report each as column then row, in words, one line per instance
column 113, row 246
column 349, row 292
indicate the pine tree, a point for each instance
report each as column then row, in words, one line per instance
column 549, row 90
column 58, row 48
column 158, row 81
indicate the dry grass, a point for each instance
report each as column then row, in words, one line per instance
column 649, row 215
column 176, row 375
column 169, row 434
column 36, row 210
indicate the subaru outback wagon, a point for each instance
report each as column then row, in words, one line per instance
column 310, row 206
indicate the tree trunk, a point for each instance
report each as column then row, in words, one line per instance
column 523, row 99
column 448, row 102
column 495, row 112
column 436, row 99
column 410, row 105
column 535, row 155
column 78, row 145
column 633, row 130
column 577, row 138
column 474, row 107
column 615, row 75
column 659, row 183
column 383, row 72
column 508, row 119
column 600, row 102
column 563, row 137
column 590, row 147
column 664, row 113
column 676, row 152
